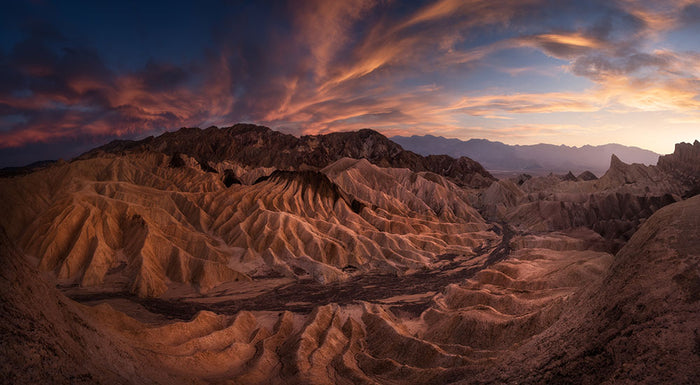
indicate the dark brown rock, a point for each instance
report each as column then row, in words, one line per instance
column 569, row 177
column 587, row 175
column 684, row 165
column 230, row 178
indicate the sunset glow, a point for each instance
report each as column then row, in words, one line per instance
column 74, row 75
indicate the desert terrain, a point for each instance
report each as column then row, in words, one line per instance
column 241, row 255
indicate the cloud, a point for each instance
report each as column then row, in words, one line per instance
column 527, row 103
column 61, row 91
column 318, row 66
column 660, row 16
column 562, row 45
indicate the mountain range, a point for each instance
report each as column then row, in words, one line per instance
column 538, row 159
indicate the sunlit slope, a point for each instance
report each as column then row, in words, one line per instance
column 139, row 224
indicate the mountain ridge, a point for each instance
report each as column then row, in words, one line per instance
column 539, row 158
column 259, row 146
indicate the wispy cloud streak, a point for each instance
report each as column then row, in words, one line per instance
column 443, row 66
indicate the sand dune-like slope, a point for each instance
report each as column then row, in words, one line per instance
column 135, row 223
column 465, row 328
column 556, row 309
column 423, row 193
column 46, row 338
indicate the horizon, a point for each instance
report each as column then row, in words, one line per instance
column 546, row 144
column 142, row 137
column 520, row 73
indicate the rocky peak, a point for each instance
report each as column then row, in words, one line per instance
column 616, row 163
column 569, row 177
column 587, row 175
column 686, row 156
column 316, row 183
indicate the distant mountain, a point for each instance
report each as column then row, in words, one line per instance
column 15, row 171
column 498, row 157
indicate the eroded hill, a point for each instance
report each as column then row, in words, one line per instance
column 184, row 266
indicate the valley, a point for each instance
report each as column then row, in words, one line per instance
column 155, row 262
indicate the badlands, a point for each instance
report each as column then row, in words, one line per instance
column 242, row 255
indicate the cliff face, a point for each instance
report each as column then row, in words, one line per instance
column 614, row 205
column 258, row 146
column 684, row 164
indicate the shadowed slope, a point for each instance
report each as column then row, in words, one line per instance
column 639, row 324
column 58, row 341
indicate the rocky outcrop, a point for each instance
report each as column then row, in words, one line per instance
column 621, row 173
column 495, row 201
column 684, row 165
column 586, row 176
column 569, row 177
column 614, row 215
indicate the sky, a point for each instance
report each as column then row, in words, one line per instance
column 77, row 74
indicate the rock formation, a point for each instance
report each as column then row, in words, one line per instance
column 627, row 327
column 613, row 205
column 684, row 165
column 587, row 175
column 135, row 222
column 49, row 339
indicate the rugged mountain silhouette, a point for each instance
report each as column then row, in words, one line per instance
column 258, row 146
column 17, row 171
column 533, row 159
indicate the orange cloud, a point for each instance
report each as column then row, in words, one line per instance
column 347, row 65
column 658, row 16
